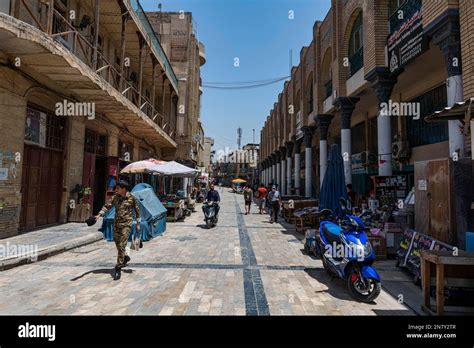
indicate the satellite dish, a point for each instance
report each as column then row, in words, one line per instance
column 196, row 138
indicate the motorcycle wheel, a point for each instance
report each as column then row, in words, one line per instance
column 209, row 223
column 357, row 287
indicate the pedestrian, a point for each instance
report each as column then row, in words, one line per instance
column 275, row 201
column 268, row 203
column 262, row 193
column 248, row 197
column 125, row 203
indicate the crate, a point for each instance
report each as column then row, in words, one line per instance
column 379, row 245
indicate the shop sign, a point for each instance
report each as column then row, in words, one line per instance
column 35, row 127
column 422, row 185
column 406, row 40
column 358, row 164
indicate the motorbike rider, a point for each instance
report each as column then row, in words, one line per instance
column 213, row 196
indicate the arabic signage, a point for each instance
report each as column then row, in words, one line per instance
column 406, row 40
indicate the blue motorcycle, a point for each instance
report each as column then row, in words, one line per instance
column 346, row 251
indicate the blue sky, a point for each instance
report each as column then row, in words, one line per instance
column 261, row 35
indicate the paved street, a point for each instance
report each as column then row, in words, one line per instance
column 244, row 266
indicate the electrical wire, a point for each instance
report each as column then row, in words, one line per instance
column 257, row 85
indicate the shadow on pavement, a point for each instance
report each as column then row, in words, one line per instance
column 336, row 287
column 100, row 271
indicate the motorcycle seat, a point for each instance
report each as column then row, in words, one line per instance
column 332, row 233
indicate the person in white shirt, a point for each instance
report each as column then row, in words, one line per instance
column 275, row 201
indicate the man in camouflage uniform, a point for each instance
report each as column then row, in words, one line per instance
column 125, row 203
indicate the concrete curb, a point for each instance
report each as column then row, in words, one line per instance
column 8, row 263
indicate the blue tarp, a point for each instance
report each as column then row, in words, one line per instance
column 152, row 215
column 334, row 185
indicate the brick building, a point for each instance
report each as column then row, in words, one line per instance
column 179, row 40
column 97, row 56
column 366, row 59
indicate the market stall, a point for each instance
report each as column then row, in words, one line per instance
column 237, row 185
column 176, row 201
column 152, row 215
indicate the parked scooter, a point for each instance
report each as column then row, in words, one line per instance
column 210, row 214
column 346, row 252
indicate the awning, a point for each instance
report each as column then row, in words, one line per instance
column 458, row 111
column 173, row 169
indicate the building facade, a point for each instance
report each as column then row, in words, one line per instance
column 86, row 88
column 372, row 75
column 180, row 43
column 207, row 154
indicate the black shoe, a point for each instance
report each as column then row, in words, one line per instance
column 126, row 260
column 117, row 273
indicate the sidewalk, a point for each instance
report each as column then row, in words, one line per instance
column 399, row 283
column 38, row 245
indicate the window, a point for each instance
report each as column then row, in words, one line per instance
column 56, row 126
column 358, row 138
column 356, row 46
column 394, row 5
column 309, row 97
column 95, row 143
column 125, row 152
column 422, row 133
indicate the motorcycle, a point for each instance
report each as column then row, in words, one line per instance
column 345, row 251
column 210, row 215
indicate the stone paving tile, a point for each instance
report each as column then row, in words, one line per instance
column 189, row 271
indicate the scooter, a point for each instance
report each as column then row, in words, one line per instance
column 210, row 216
column 346, row 251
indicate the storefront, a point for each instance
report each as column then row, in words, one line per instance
column 43, row 163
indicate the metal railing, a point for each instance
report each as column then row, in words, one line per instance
column 62, row 31
column 137, row 7
column 356, row 61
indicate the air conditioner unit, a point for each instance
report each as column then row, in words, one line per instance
column 400, row 150
column 368, row 157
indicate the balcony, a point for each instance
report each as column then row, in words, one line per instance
column 153, row 41
column 356, row 61
column 66, row 60
column 202, row 54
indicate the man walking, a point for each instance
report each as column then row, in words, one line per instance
column 261, row 196
column 125, row 203
column 275, row 201
column 248, row 197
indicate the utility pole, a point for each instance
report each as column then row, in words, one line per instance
column 239, row 137
column 253, row 136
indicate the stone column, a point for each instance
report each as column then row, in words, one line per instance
column 346, row 105
column 308, row 139
column 383, row 84
column 283, row 171
column 297, row 165
column 289, row 151
column 274, row 161
column 323, row 121
column 446, row 35
column 267, row 166
column 278, row 169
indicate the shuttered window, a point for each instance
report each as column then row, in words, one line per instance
column 422, row 133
